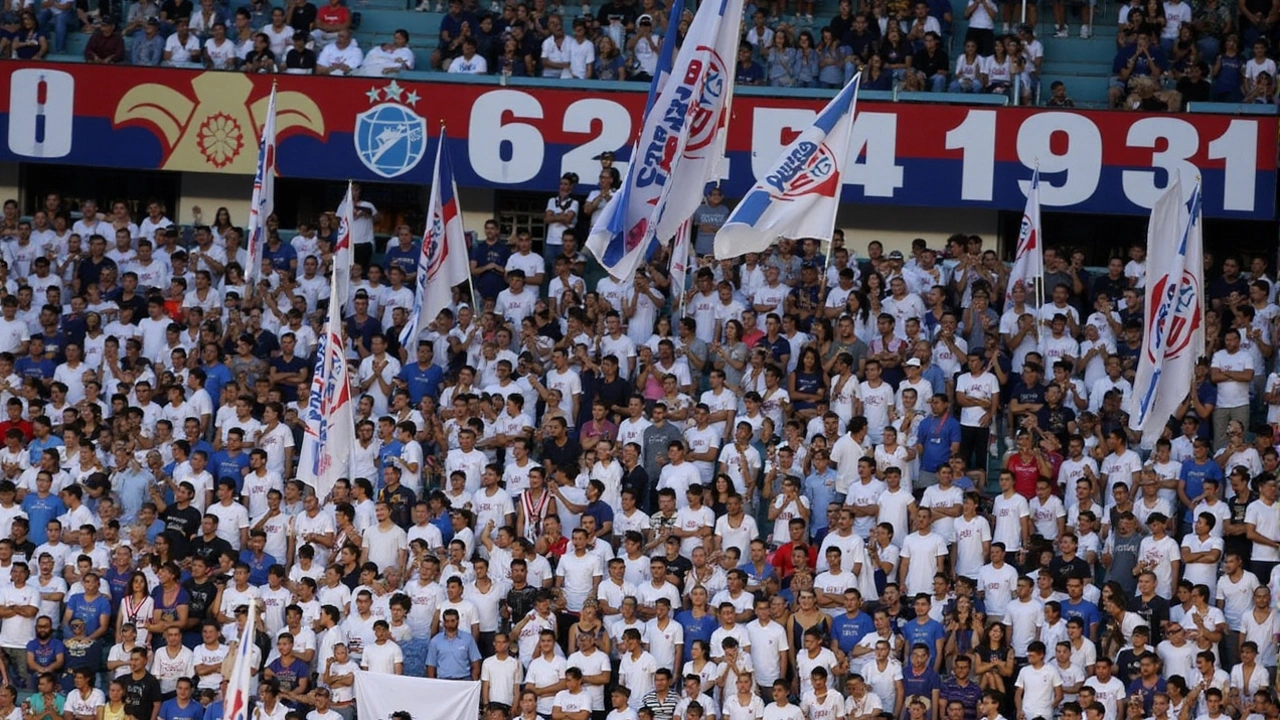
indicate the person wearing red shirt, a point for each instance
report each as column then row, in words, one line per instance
column 784, row 558
column 15, row 421
column 330, row 19
column 1027, row 464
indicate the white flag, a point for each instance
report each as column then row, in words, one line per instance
column 623, row 233
column 799, row 196
column 1173, row 333
column 329, row 434
column 1028, row 264
column 262, row 203
column 235, row 706
column 442, row 263
column 379, row 696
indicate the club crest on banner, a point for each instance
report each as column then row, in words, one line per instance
column 390, row 137
column 810, row 169
column 1183, row 303
column 435, row 248
column 705, row 121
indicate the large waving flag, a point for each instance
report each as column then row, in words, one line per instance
column 1028, row 264
column 800, row 194
column 263, row 201
column 342, row 251
column 442, row 264
column 1173, row 338
column 235, row 706
column 681, row 104
column 329, row 434
column 704, row 158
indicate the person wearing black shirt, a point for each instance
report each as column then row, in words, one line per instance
column 620, row 12
column 931, row 65
column 1193, row 86
column 399, row 499
column 1113, row 283
column 1152, row 608
column 207, row 545
column 181, row 520
column 300, row 60
column 842, row 23
column 1068, row 564
column 203, row 590
column 560, row 451
column 141, row 689
column 860, row 39
column 1233, row 531
column 171, row 11
column 301, row 16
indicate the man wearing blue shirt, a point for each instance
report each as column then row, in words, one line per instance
column 258, row 562
column 489, row 262
column 699, row 622
column 403, row 254
column 452, row 655
column 925, row 631
column 44, row 439
column 1076, row 606
column 820, row 489
column 182, row 706
column 42, row 505
column 231, row 461
column 91, row 607
column 848, row 629
column 45, row 653
column 747, row 71
column 422, row 378
column 1195, row 470
column 938, row 439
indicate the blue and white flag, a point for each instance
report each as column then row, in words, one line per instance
column 1173, row 333
column 262, row 204
column 235, row 706
column 799, row 196
column 442, row 262
column 1028, row 263
column 683, row 123
column 329, row 432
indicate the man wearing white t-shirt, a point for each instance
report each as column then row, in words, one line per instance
column 1038, row 687
column 978, row 395
column 579, row 573
column 922, row 554
column 1231, row 370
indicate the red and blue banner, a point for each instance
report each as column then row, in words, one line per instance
column 525, row 138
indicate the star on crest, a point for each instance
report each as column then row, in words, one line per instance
column 393, row 91
column 374, row 95
column 412, row 98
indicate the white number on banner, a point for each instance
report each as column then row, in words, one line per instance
column 610, row 124
column 879, row 173
column 976, row 139
column 1180, row 142
column 1080, row 159
column 1237, row 146
column 772, row 129
column 502, row 149
column 40, row 113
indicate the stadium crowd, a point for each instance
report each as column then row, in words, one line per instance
column 863, row 486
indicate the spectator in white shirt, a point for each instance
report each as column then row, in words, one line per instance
column 390, row 58
column 341, row 58
column 469, row 63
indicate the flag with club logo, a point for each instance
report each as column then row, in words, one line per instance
column 1028, row 263
column 682, row 103
column 235, row 706
column 442, row 263
column 329, row 421
column 799, row 196
column 1173, row 336
column 342, row 250
column 262, row 203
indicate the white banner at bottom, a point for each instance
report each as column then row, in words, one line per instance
column 379, row 695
